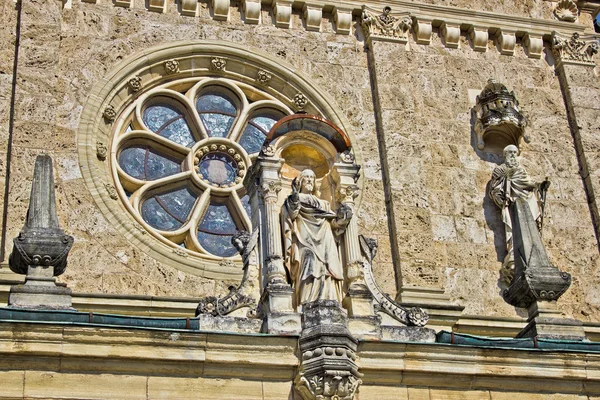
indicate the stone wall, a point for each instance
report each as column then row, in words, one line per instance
column 445, row 232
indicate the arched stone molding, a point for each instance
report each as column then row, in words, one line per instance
column 157, row 66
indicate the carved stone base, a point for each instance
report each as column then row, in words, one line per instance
column 359, row 301
column 546, row 322
column 329, row 368
column 279, row 298
column 40, row 296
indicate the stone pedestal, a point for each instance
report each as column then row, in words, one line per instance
column 362, row 320
column 280, row 317
column 546, row 322
column 329, row 368
column 40, row 291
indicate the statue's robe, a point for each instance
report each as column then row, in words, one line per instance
column 311, row 252
column 507, row 185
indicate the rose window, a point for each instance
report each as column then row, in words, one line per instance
column 181, row 153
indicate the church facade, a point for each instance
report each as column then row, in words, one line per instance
column 299, row 200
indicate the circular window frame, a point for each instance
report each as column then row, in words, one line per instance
column 183, row 61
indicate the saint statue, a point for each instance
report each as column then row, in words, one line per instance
column 509, row 182
column 310, row 231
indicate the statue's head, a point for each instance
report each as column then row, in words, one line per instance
column 510, row 155
column 307, row 182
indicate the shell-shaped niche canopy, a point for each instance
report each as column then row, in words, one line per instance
column 498, row 119
column 308, row 141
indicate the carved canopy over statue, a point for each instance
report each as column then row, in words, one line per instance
column 311, row 232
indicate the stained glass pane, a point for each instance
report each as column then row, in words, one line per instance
column 132, row 161
column 218, row 220
column 217, row 125
column 252, row 139
column 168, row 122
column 146, row 164
column 215, row 103
column 159, row 166
column 246, row 204
column 218, row 168
column 178, row 203
column 266, row 123
column 156, row 216
column 216, row 244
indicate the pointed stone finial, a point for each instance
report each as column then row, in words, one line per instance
column 40, row 251
column 41, row 241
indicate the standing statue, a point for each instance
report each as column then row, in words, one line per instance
column 310, row 230
column 510, row 182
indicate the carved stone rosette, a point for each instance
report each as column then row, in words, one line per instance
column 386, row 26
column 329, row 366
column 576, row 49
column 499, row 120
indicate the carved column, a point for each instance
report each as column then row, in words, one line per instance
column 277, row 297
column 358, row 301
column 581, row 89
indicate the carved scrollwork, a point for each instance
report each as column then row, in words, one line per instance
column 414, row 316
column 386, row 25
column 574, row 50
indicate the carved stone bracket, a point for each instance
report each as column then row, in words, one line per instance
column 414, row 317
column 157, row 5
column 343, row 20
column 313, row 13
column 575, row 50
column 423, row 30
column 282, row 10
column 220, row 10
column 329, row 368
column 451, row 34
column 251, row 9
column 534, row 45
column 506, row 41
column 479, row 38
column 499, row 121
column 386, row 26
column 189, row 7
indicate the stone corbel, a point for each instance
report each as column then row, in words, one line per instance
column 313, row 13
column 343, row 20
column 189, row 7
column 422, row 27
column 385, row 26
column 124, row 3
column 451, row 34
column 479, row 38
column 251, row 9
column 159, row 6
column 282, row 11
column 506, row 41
column 534, row 45
column 220, row 10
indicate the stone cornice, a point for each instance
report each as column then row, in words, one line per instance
column 139, row 352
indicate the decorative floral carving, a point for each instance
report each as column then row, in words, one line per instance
column 263, row 77
column 386, row 25
column 347, row 193
column 337, row 385
column 574, row 50
column 417, row 316
column 180, row 252
column 347, row 157
column 109, row 113
column 300, row 100
column 268, row 151
column 566, row 10
column 112, row 192
column 270, row 188
column 171, row 66
column 218, row 64
column 135, row 83
column 101, row 151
